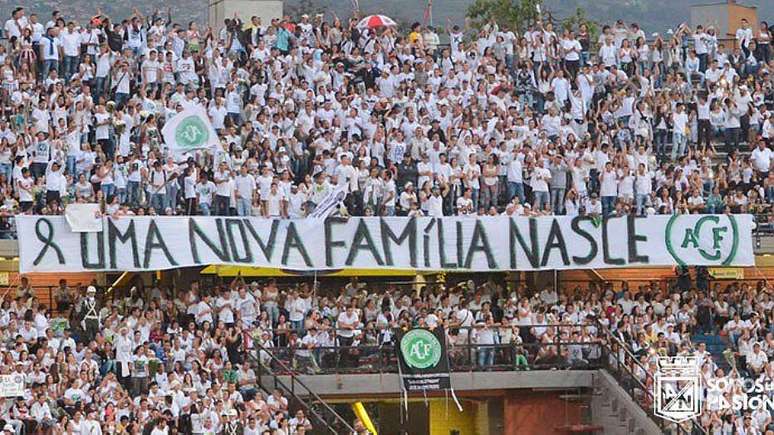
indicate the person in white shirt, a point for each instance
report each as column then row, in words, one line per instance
column 643, row 186
column 515, row 177
column 204, row 310
column 14, row 25
column 41, row 412
column 744, row 35
column 24, row 186
column 275, row 204
column 151, row 69
column 56, row 183
column 435, row 203
column 223, row 189
column 346, row 324
column 205, row 194
column 539, row 182
column 50, row 47
column 218, row 113
column 572, row 49
column 224, row 305
column 761, row 158
column 245, row 191
column 297, row 308
column 757, row 359
column 679, row 131
column 71, row 48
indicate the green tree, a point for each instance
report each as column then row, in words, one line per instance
column 514, row 14
column 574, row 21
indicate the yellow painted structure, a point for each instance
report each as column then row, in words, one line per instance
column 362, row 415
column 445, row 417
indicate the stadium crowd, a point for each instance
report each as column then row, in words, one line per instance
column 548, row 121
column 162, row 361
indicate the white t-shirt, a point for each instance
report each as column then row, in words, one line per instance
column 352, row 320
column 25, row 195
column 221, row 181
column 274, row 204
column 680, row 121
column 225, row 305
column 609, row 186
column 761, row 159
column 71, row 42
column 150, row 69
column 218, row 116
column 205, row 191
column 539, row 179
column 245, row 185
column 102, row 131
column 568, row 45
column 50, row 48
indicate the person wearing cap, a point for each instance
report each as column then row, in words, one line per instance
column 90, row 313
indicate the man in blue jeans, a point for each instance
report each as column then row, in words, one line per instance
column 49, row 52
column 515, row 177
column 71, row 44
column 222, row 178
column 559, row 171
column 539, row 182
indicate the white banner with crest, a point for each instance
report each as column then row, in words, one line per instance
column 498, row 243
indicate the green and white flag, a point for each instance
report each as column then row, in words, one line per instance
column 189, row 130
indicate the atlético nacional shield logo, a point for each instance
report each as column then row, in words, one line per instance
column 677, row 389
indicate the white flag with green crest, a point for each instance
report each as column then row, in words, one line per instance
column 189, row 130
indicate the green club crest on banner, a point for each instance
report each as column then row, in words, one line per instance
column 420, row 349
column 191, row 133
column 710, row 239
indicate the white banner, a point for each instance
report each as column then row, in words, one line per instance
column 496, row 243
column 189, row 130
column 84, row 218
column 11, row 385
column 329, row 204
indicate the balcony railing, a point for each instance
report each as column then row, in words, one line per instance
column 376, row 355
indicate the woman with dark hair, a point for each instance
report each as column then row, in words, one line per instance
column 763, row 43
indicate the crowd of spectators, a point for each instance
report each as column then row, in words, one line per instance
column 186, row 361
column 542, row 121
column 651, row 323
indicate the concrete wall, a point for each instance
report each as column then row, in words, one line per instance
column 244, row 9
column 735, row 14
column 336, row 386
column 725, row 17
column 539, row 413
column 711, row 15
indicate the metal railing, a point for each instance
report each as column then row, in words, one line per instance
column 465, row 354
column 303, row 396
column 622, row 364
column 603, row 350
